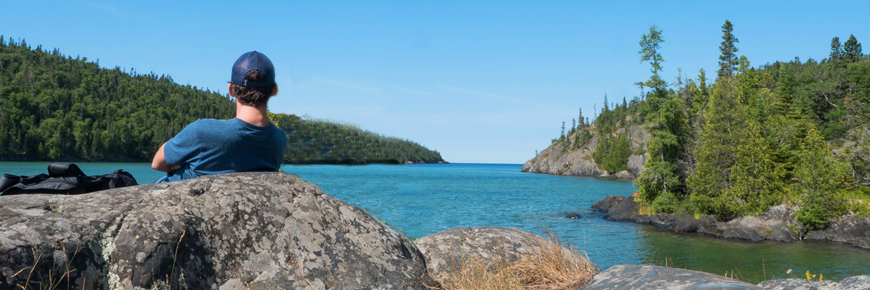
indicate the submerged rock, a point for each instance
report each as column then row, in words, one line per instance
column 657, row 277
column 228, row 231
column 573, row 215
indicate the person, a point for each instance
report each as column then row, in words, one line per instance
column 248, row 142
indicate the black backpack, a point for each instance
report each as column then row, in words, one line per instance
column 64, row 178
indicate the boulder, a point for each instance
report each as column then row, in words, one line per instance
column 741, row 233
column 624, row 210
column 844, row 229
column 682, row 223
column 449, row 250
column 710, row 232
column 641, row 219
column 781, row 233
column 657, row 277
column 608, row 202
column 707, row 221
column 228, row 231
column 624, row 175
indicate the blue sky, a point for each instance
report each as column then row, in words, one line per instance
column 479, row 81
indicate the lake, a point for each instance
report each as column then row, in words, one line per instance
column 424, row 199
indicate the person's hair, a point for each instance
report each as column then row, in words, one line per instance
column 253, row 96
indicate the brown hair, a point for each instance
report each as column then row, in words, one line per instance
column 253, row 96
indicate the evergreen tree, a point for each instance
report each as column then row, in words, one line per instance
column 728, row 59
column 852, row 49
column 821, row 180
column 661, row 176
column 649, row 51
column 836, row 50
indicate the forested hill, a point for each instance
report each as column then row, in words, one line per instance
column 748, row 138
column 55, row 107
column 318, row 141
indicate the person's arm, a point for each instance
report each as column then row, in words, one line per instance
column 159, row 162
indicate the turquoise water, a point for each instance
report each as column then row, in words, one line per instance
column 424, row 199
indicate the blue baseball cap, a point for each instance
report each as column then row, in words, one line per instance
column 253, row 60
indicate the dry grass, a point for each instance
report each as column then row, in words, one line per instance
column 550, row 267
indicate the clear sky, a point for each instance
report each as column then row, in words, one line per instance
column 479, row 81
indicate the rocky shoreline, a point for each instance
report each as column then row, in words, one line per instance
column 777, row 224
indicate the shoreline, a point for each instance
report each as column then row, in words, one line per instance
column 777, row 224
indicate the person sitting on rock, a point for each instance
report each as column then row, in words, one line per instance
column 248, row 142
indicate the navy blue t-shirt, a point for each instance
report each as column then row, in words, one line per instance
column 209, row 146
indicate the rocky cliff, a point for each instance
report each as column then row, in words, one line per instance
column 559, row 159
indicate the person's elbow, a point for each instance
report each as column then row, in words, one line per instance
column 159, row 162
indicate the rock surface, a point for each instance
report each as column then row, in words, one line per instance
column 852, row 283
column 847, row 229
column 229, row 231
column 446, row 250
column 559, row 160
column 617, row 208
column 657, row 277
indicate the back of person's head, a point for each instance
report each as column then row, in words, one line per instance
column 253, row 79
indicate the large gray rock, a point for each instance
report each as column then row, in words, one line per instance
column 608, row 202
column 447, row 251
column 846, row 229
column 229, row 231
column 657, row 277
column 624, row 210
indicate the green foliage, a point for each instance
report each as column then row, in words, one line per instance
column 823, row 181
column 852, row 49
column 55, row 107
column 836, row 50
column 612, row 153
column 728, row 59
column 316, row 141
column 649, row 46
column 734, row 174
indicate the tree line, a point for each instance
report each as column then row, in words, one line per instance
column 55, row 107
column 790, row 132
column 318, row 141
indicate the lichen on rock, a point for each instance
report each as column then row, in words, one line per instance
column 259, row 230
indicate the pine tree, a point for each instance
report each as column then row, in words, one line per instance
column 728, row 59
column 836, row 50
column 852, row 49
column 649, row 51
